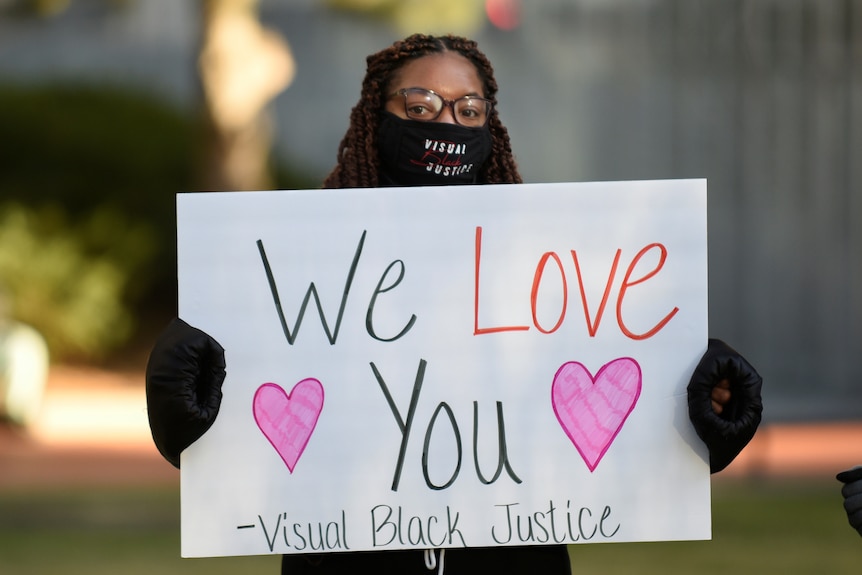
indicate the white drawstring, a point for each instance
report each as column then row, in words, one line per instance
column 431, row 560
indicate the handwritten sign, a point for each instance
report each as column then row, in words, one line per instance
column 447, row 367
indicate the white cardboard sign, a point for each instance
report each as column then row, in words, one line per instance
column 445, row 367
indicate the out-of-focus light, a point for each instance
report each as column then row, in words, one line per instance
column 504, row 14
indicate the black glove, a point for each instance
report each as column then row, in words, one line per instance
column 852, row 492
column 728, row 433
column 185, row 373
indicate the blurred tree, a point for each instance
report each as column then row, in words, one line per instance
column 87, row 211
column 242, row 67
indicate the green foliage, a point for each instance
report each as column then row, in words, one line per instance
column 81, row 147
column 66, row 280
column 88, row 181
column 87, row 226
column 463, row 17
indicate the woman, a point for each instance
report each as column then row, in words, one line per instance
column 388, row 125
column 418, row 92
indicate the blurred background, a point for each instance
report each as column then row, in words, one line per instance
column 108, row 108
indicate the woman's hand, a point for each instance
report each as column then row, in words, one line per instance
column 724, row 402
column 720, row 396
column 184, row 376
column 852, row 492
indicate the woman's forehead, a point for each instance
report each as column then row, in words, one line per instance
column 448, row 73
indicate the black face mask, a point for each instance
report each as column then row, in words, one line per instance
column 416, row 153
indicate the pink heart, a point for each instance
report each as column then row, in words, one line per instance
column 592, row 410
column 288, row 419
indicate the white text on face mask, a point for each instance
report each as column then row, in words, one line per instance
column 445, row 147
column 443, row 158
column 441, row 170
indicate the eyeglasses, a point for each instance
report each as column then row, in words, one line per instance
column 426, row 106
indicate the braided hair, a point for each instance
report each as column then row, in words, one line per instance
column 358, row 161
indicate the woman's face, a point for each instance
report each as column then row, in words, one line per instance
column 448, row 74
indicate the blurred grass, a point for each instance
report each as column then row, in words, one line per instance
column 790, row 527
column 759, row 526
column 104, row 532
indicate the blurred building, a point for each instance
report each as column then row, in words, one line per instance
column 762, row 97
